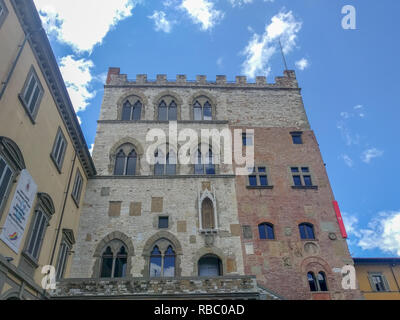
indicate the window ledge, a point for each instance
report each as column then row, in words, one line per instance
column 260, row 187
column 32, row 261
column 30, row 116
column 208, row 231
column 305, row 187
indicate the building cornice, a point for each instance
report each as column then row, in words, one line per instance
column 39, row 42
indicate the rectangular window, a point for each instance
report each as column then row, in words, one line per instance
column 163, row 222
column 258, row 177
column 297, row 137
column 77, row 190
column 6, row 174
column 3, row 12
column 379, row 283
column 301, row 176
column 31, row 94
column 62, row 259
column 37, row 234
column 58, row 153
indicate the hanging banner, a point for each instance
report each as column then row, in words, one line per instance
column 20, row 211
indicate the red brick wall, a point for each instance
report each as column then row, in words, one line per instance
column 281, row 265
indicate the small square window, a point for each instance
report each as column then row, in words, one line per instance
column 262, row 170
column 305, row 169
column 163, row 222
column 297, row 137
column 294, row 170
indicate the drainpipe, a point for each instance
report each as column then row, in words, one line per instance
column 21, row 48
column 394, row 276
column 63, row 209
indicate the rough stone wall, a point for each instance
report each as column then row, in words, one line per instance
column 282, row 264
column 179, row 202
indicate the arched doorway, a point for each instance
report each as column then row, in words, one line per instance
column 210, row 266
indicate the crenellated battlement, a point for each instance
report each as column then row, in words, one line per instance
column 115, row 78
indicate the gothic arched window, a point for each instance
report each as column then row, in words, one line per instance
column 162, row 262
column 210, row 266
column 131, row 112
column 165, row 166
column 125, row 161
column 114, row 260
column 206, row 165
column 202, row 110
column 167, row 112
column 207, row 214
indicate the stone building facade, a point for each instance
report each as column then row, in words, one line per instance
column 44, row 160
column 175, row 226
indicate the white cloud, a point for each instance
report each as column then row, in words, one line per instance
column 91, row 148
column 83, row 24
column 347, row 160
column 261, row 48
column 302, row 64
column 161, row 22
column 370, row 154
column 202, row 12
column 77, row 77
column 382, row 232
column 239, row 3
column 220, row 61
column 347, row 135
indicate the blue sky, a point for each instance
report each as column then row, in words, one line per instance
column 349, row 78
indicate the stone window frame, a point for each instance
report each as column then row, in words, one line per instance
column 168, row 237
column 21, row 96
column 206, row 194
column 64, row 145
column 66, row 245
column 201, row 95
column 215, row 157
column 44, row 211
column 115, row 149
column 12, row 156
column 294, row 134
column 302, row 174
column 246, row 138
column 168, row 96
column 372, row 274
column 132, row 93
column 77, row 188
column 3, row 13
column 267, row 173
column 169, row 148
column 102, row 246
column 133, row 99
